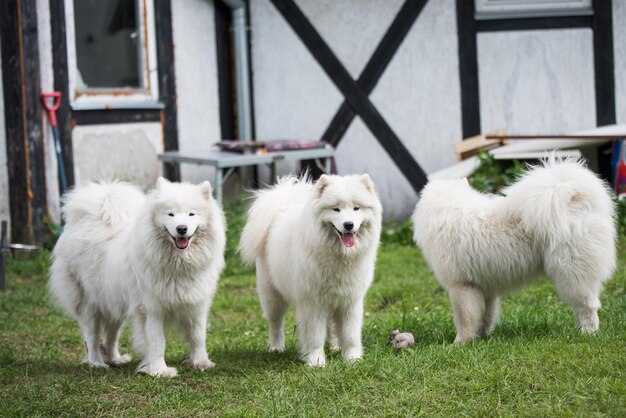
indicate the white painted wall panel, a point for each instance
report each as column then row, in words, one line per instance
column 619, row 47
column 121, row 151
column 196, row 81
column 419, row 94
column 351, row 29
column 293, row 97
column 537, row 81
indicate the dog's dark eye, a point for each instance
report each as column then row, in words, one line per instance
column 356, row 208
column 170, row 214
column 191, row 214
column 336, row 209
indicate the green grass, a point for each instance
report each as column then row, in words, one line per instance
column 535, row 364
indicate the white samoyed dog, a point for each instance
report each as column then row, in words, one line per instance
column 315, row 247
column 156, row 257
column 557, row 220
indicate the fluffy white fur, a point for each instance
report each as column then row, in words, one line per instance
column 557, row 220
column 156, row 257
column 315, row 247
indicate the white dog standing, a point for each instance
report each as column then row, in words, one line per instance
column 157, row 257
column 558, row 220
column 315, row 247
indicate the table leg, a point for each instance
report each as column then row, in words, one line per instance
column 327, row 165
column 218, row 185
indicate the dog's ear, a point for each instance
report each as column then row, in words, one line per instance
column 369, row 184
column 322, row 183
column 161, row 181
column 205, row 188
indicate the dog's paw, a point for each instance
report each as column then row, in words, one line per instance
column 118, row 361
column 152, row 370
column 353, row 354
column 589, row 329
column 315, row 358
column 96, row 364
column 201, row 365
column 277, row 348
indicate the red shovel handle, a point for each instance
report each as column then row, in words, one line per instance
column 51, row 107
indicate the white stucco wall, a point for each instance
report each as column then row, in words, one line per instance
column 121, row 151
column 619, row 47
column 196, row 80
column 538, row 81
column 5, row 214
column 418, row 94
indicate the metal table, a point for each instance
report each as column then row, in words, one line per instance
column 226, row 162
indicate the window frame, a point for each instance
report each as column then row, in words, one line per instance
column 146, row 97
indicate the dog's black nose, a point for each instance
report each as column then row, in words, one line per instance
column 348, row 226
column 181, row 229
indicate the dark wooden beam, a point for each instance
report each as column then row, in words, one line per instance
column 385, row 51
column 167, row 77
column 468, row 68
column 566, row 22
column 352, row 92
column 23, row 120
column 106, row 116
column 604, row 65
column 223, row 46
column 61, row 84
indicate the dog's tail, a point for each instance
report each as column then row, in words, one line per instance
column 267, row 205
column 557, row 200
column 106, row 203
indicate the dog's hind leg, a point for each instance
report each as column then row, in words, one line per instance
column 331, row 335
column 468, row 305
column 90, row 326
column 111, row 336
column 490, row 316
column 274, row 308
column 581, row 294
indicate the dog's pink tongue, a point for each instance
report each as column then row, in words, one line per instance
column 182, row 243
column 348, row 239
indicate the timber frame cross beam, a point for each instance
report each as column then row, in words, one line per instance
column 356, row 92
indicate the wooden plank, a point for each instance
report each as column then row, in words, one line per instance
column 352, row 92
column 108, row 116
column 167, row 77
column 533, row 23
column 468, row 68
column 375, row 67
column 61, row 84
column 23, row 120
column 603, row 62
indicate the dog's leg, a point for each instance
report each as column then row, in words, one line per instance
column 139, row 331
column 90, row 326
column 349, row 325
column 490, row 316
column 194, row 328
column 111, row 354
column 311, row 324
column 584, row 298
column 274, row 308
column 154, row 361
column 331, row 334
column 468, row 304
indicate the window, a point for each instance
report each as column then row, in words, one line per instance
column 512, row 9
column 111, row 54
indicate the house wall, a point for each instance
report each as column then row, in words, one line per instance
column 418, row 94
column 532, row 81
column 619, row 47
column 196, row 81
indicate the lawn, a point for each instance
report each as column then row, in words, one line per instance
column 535, row 364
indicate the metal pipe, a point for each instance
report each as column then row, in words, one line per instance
column 242, row 68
